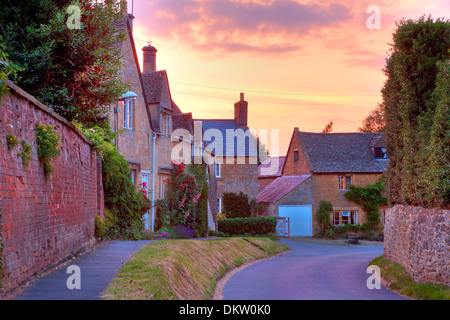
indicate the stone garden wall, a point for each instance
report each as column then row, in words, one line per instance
column 419, row 239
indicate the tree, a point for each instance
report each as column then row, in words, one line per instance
column 411, row 105
column 76, row 72
column 374, row 122
column 328, row 128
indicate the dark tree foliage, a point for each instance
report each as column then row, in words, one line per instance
column 416, row 113
column 76, row 72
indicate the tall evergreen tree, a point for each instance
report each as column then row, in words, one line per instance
column 409, row 106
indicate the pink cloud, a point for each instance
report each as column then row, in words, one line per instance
column 232, row 26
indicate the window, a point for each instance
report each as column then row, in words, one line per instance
column 344, row 182
column 163, row 185
column 128, row 114
column 219, row 204
column 380, row 153
column 296, row 155
column 345, row 217
column 133, row 176
column 348, row 182
column 218, row 169
column 341, row 218
column 336, row 218
column 353, row 217
column 166, row 125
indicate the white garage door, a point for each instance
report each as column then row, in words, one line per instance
column 300, row 219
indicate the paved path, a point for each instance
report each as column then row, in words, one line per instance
column 310, row 271
column 97, row 269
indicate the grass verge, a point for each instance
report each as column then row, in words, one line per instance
column 185, row 269
column 397, row 278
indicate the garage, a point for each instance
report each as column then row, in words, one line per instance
column 300, row 219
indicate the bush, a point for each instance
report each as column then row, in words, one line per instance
column 236, row 205
column 323, row 218
column 253, row 226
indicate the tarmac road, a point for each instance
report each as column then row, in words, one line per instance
column 311, row 271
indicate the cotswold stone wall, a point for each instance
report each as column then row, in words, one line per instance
column 419, row 239
column 44, row 221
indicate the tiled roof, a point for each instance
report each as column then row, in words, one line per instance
column 233, row 146
column 153, row 84
column 183, row 121
column 280, row 187
column 342, row 152
column 264, row 167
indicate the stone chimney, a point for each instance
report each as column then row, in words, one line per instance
column 241, row 112
column 149, row 58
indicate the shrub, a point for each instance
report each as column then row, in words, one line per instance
column 11, row 141
column 121, row 196
column 236, row 205
column 323, row 218
column 253, row 226
column 47, row 140
column 25, row 154
column 100, row 227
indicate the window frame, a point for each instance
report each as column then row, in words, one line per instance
column 296, row 155
column 344, row 182
column 218, row 169
column 128, row 107
column 163, row 185
column 166, row 120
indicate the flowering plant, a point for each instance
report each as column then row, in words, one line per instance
column 352, row 234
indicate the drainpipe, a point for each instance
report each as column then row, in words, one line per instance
column 153, row 177
column 153, row 180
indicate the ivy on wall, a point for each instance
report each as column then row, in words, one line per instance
column 370, row 198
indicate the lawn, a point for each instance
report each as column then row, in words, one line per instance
column 185, row 269
column 397, row 278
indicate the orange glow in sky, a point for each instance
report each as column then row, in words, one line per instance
column 299, row 63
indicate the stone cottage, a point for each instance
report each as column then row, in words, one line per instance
column 321, row 166
column 234, row 148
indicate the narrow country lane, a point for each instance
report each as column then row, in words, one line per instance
column 310, row 271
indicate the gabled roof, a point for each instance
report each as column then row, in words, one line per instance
column 183, row 121
column 153, row 85
column 264, row 167
column 247, row 149
column 341, row 152
column 280, row 187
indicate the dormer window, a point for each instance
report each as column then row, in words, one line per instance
column 166, row 124
column 380, row 153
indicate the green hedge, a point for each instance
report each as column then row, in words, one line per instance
column 261, row 225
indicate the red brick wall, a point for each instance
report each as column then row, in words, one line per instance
column 44, row 222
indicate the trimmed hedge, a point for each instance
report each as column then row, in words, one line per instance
column 235, row 226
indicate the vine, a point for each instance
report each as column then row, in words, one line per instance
column 371, row 198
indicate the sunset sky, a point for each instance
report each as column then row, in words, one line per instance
column 300, row 63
